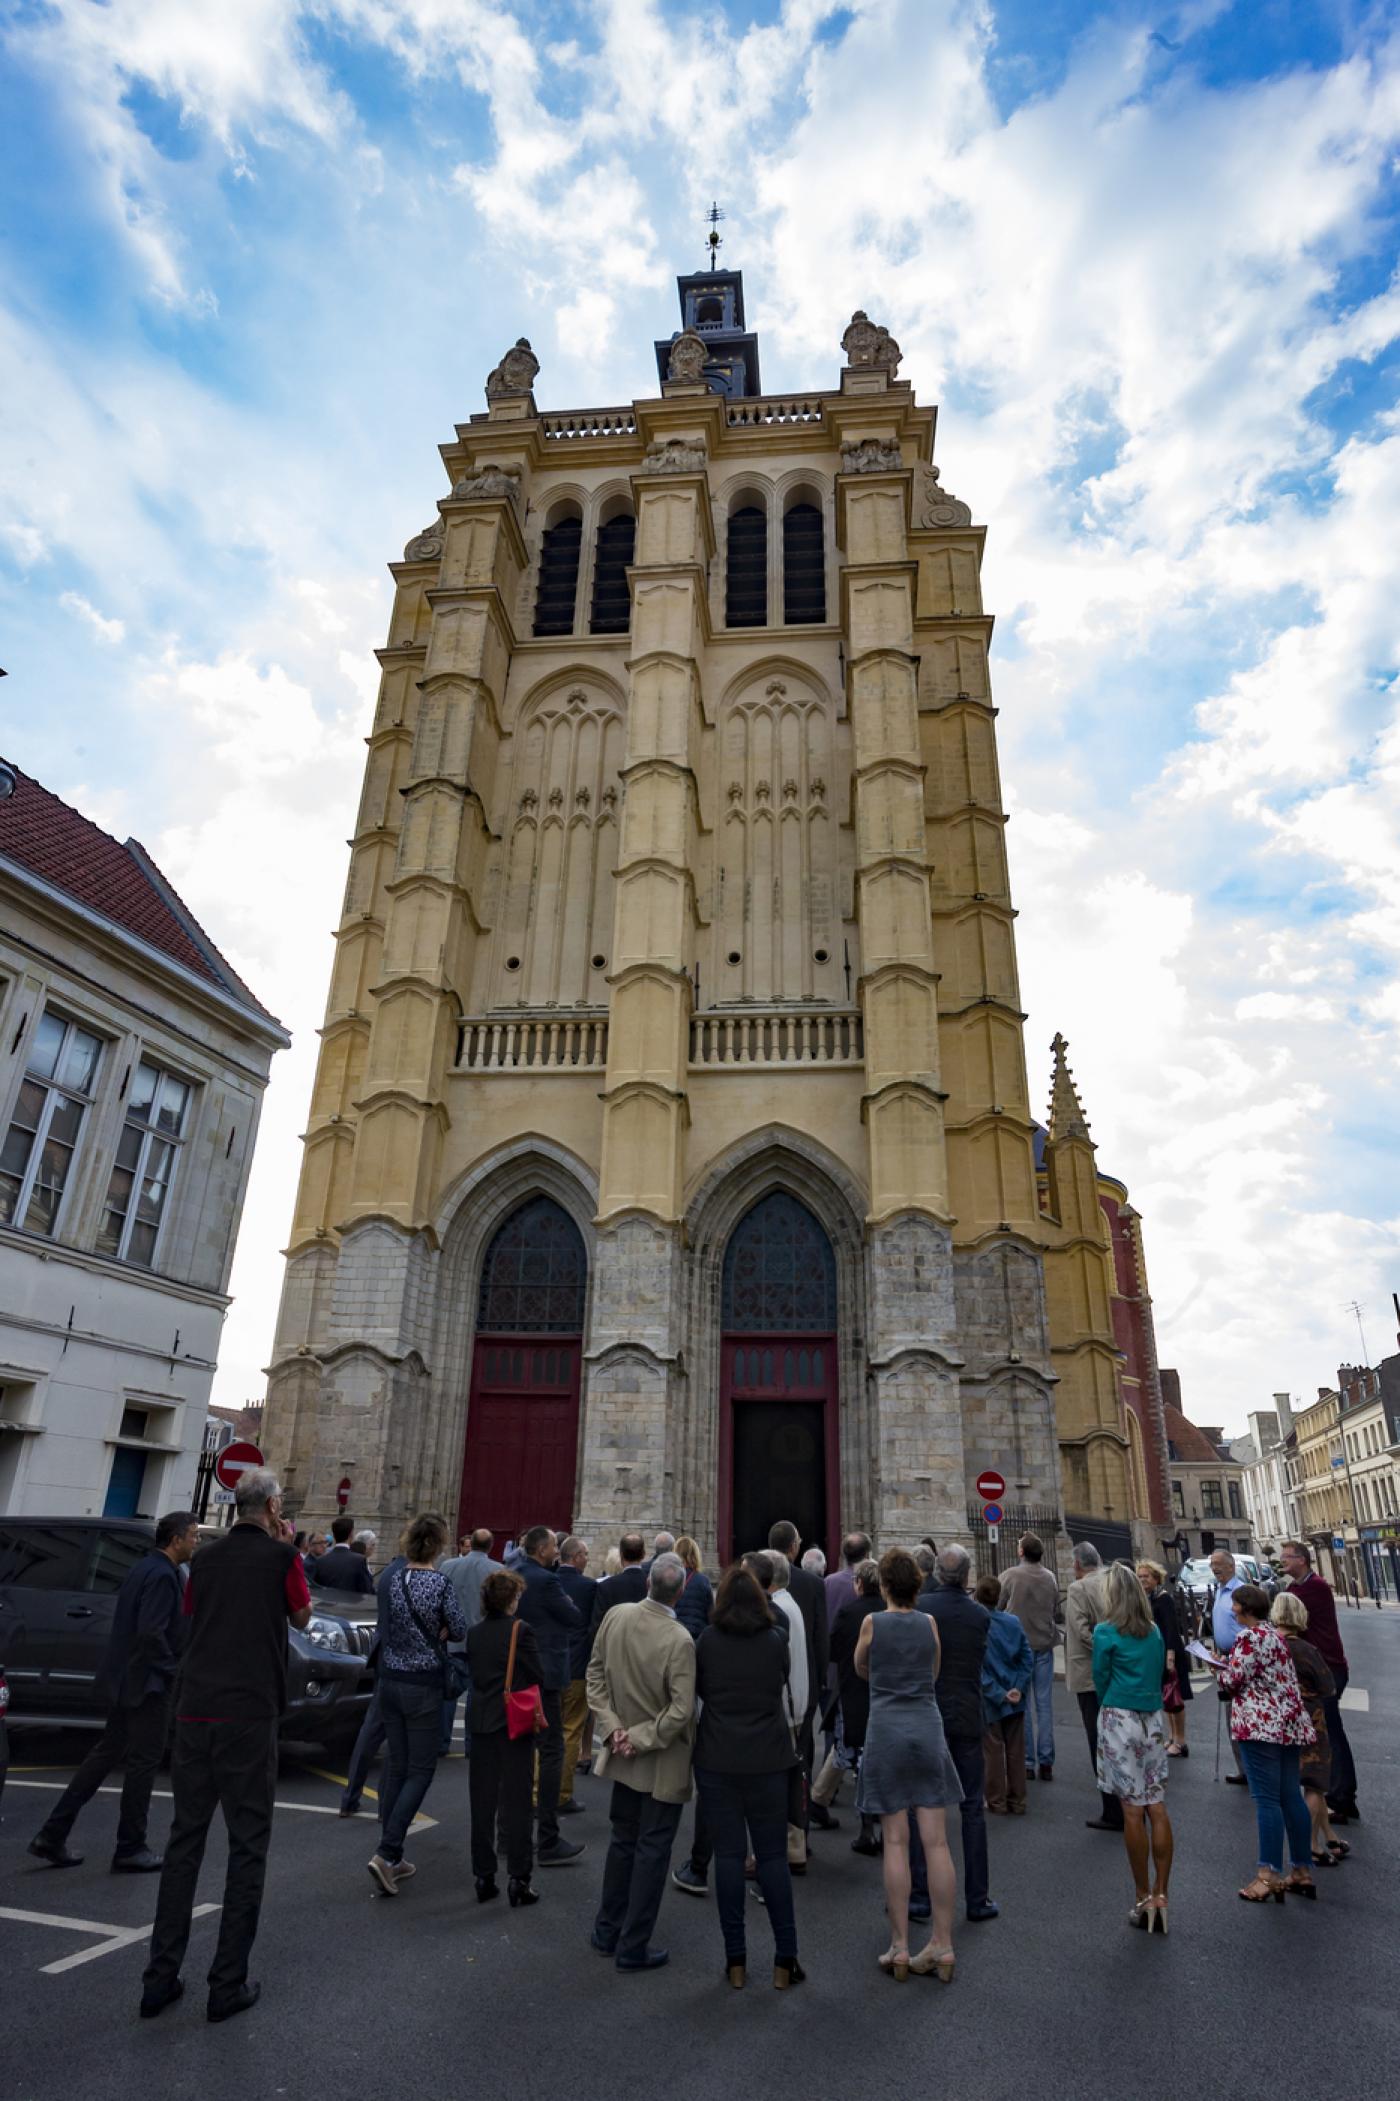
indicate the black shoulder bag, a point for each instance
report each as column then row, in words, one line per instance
column 455, row 1675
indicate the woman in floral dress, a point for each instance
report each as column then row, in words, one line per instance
column 1269, row 1722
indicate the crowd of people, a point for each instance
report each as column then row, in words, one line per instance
column 758, row 1695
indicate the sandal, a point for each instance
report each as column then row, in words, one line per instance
column 1266, row 1884
column 1337, row 1850
column 933, row 1962
column 895, row 1961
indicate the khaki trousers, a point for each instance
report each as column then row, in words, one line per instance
column 575, row 1715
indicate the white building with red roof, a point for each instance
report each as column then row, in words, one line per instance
column 133, row 1061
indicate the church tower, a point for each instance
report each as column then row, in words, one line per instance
column 670, row 1157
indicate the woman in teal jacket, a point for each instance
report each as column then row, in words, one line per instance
column 1007, row 1668
column 1129, row 1662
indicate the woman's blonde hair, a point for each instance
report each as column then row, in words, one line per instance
column 689, row 1553
column 1288, row 1611
column 1154, row 1568
column 612, row 1561
column 1126, row 1600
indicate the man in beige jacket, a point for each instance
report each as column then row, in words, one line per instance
column 641, row 1688
column 1085, row 1606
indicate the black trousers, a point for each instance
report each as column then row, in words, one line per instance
column 1111, row 1809
column 550, row 1749
column 134, row 1738
column 1341, row 1788
column 502, row 1772
column 368, row 1745
column 971, row 1761
column 634, row 1874
column 702, row 1844
column 230, row 1766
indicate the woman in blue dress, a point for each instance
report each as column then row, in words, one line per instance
column 906, row 1767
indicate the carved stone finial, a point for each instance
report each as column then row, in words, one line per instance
column 674, row 456
column 427, row 545
column 583, row 797
column 934, row 506
column 515, row 374
column 556, row 798
column 761, row 790
column 789, row 789
column 818, row 789
column 736, row 791
column 609, row 797
column 871, row 456
column 529, row 799
column 868, row 345
column 489, row 481
column 688, row 359
column 775, row 689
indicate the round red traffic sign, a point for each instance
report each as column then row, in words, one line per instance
column 234, row 1461
column 342, row 1494
column 990, row 1486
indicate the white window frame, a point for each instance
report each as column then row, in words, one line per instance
column 54, row 1091
column 149, row 1132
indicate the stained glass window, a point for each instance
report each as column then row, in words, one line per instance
column 534, row 1275
column 779, row 1272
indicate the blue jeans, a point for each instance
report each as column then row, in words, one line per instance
column 1272, row 1773
column 412, row 1718
column 739, row 1807
column 1040, row 1711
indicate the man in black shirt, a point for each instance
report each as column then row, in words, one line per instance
column 136, row 1679
column 343, row 1568
column 244, row 1588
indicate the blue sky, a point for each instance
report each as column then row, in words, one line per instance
column 255, row 262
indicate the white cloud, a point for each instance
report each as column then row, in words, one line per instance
column 106, row 630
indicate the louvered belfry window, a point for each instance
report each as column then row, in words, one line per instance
column 746, row 576
column 612, row 602
column 559, row 553
column 804, row 573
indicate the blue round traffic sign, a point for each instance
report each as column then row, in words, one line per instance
column 992, row 1513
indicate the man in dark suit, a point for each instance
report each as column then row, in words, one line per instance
column 963, row 1626
column 545, row 1606
column 579, row 1589
column 245, row 1587
column 343, row 1568
column 809, row 1594
column 627, row 1587
column 138, row 1672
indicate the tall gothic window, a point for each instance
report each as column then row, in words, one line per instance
column 612, row 602
column 779, row 1272
column 804, row 574
column 746, row 573
column 534, row 1275
column 558, row 586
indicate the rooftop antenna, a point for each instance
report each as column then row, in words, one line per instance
column 1352, row 1306
column 714, row 240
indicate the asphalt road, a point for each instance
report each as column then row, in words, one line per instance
column 431, row 1994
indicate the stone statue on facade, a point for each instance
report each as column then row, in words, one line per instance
column 688, row 359
column 871, row 456
column 489, row 481
column 868, row 345
column 674, row 456
column 516, row 372
column 933, row 505
column 427, row 545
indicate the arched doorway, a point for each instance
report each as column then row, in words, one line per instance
column 779, row 1433
column 522, row 1414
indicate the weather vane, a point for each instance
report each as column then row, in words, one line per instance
column 714, row 239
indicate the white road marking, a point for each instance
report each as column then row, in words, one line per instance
column 421, row 1822
column 1357, row 1699
column 113, row 1937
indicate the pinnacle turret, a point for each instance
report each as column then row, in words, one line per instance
column 1067, row 1118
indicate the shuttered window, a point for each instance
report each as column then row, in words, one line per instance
column 558, row 591
column 804, row 573
column 746, row 577
column 612, row 603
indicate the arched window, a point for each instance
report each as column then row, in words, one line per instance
column 534, row 1275
column 558, row 589
column 779, row 1272
column 612, row 603
column 746, row 574
column 709, row 313
column 804, row 572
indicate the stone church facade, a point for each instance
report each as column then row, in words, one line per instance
column 671, row 1156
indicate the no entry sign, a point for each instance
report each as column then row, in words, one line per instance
column 234, row 1461
column 990, row 1486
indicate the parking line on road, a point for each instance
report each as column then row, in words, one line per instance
column 1357, row 1699
column 163, row 1794
column 420, row 1822
column 113, row 1937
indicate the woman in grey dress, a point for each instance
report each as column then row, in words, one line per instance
column 907, row 1768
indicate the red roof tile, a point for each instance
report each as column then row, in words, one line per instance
column 120, row 882
column 1187, row 1441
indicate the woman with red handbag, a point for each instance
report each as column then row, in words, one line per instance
column 506, row 1714
column 1176, row 1685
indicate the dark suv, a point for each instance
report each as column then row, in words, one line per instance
column 59, row 1578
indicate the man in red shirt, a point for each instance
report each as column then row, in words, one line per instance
column 243, row 1590
column 1325, row 1636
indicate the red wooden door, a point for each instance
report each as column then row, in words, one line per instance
column 522, row 1434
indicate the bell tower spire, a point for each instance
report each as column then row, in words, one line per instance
column 712, row 347
column 1067, row 1118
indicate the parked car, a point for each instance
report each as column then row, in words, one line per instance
column 59, row 1579
column 1196, row 1577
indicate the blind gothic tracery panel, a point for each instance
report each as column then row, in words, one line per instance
column 779, row 1272
column 535, row 1274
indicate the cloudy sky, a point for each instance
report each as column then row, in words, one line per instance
column 258, row 257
